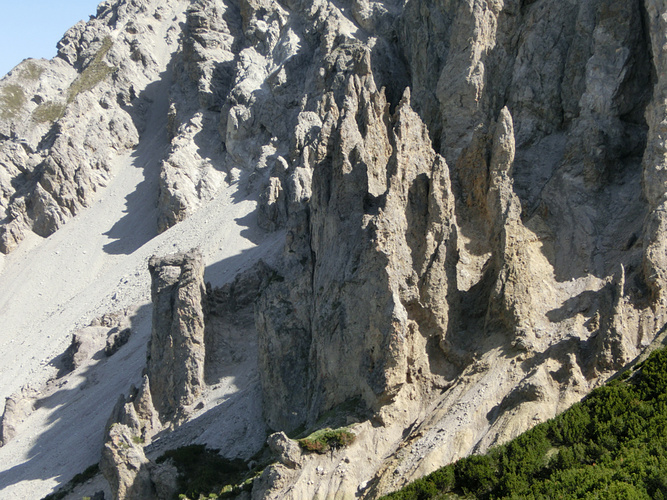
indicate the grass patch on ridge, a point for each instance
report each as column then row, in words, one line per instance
column 327, row 439
column 49, row 111
column 93, row 74
column 31, row 71
column 12, row 99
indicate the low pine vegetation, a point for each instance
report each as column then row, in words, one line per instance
column 204, row 474
column 613, row 445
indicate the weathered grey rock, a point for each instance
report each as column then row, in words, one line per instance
column 203, row 69
column 273, row 205
column 654, row 180
column 472, row 194
column 230, row 337
column 143, row 405
column 131, row 425
column 175, row 365
column 125, row 465
column 116, row 339
column 372, row 184
column 72, row 114
column 271, row 483
column 85, row 344
column 165, row 479
column 289, row 452
column 17, row 408
column 136, row 411
column 524, row 247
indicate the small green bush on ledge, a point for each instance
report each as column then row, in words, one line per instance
column 327, row 439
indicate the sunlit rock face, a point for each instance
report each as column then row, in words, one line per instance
column 460, row 205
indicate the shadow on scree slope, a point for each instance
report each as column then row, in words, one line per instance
column 75, row 430
column 76, row 426
column 140, row 224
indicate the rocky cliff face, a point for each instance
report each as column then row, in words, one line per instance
column 64, row 120
column 468, row 198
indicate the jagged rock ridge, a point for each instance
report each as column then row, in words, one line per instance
column 471, row 196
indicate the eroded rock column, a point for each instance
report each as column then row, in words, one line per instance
column 175, row 364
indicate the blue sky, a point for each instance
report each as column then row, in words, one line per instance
column 32, row 28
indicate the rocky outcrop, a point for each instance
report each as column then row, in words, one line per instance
column 125, row 466
column 472, row 197
column 63, row 120
column 130, row 474
column 137, row 413
column 230, row 337
column 17, row 408
column 203, row 67
column 524, row 252
column 184, row 361
column 106, row 334
column 175, row 364
column 116, row 339
column 288, row 451
column 653, row 180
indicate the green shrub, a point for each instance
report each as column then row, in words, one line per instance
column 476, row 474
column 437, row 483
column 653, row 379
column 327, row 439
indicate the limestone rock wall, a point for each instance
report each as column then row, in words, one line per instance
column 499, row 282
column 471, row 193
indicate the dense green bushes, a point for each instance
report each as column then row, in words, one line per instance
column 613, row 445
column 204, row 473
column 323, row 440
